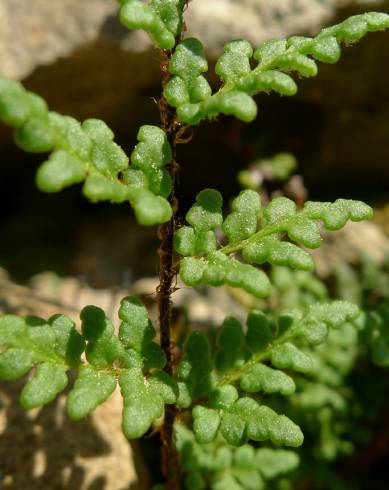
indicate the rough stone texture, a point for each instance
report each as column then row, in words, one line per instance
column 39, row 32
column 44, row 450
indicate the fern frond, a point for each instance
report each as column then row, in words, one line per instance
column 220, row 467
column 258, row 234
column 224, row 391
column 50, row 349
column 87, row 153
column 161, row 19
column 188, row 91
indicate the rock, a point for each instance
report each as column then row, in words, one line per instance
column 44, row 450
column 39, row 32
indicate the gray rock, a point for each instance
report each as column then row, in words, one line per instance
column 39, row 32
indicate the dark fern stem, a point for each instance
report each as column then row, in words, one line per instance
column 167, row 275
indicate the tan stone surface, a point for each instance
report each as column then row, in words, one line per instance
column 44, row 450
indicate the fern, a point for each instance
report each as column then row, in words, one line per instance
column 241, row 369
column 190, row 93
column 219, row 467
column 232, row 389
column 52, row 348
column 87, row 153
column 256, row 233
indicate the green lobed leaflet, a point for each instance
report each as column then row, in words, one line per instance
column 223, row 385
column 361, row 285
column 220, row 467
column 87, row 153
column 161, row 19
column 295, row 288
column 324, row 401
column 326, row 392
column 375, row 332
column 190, row 93
column 51, row 348
column 258, row 233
